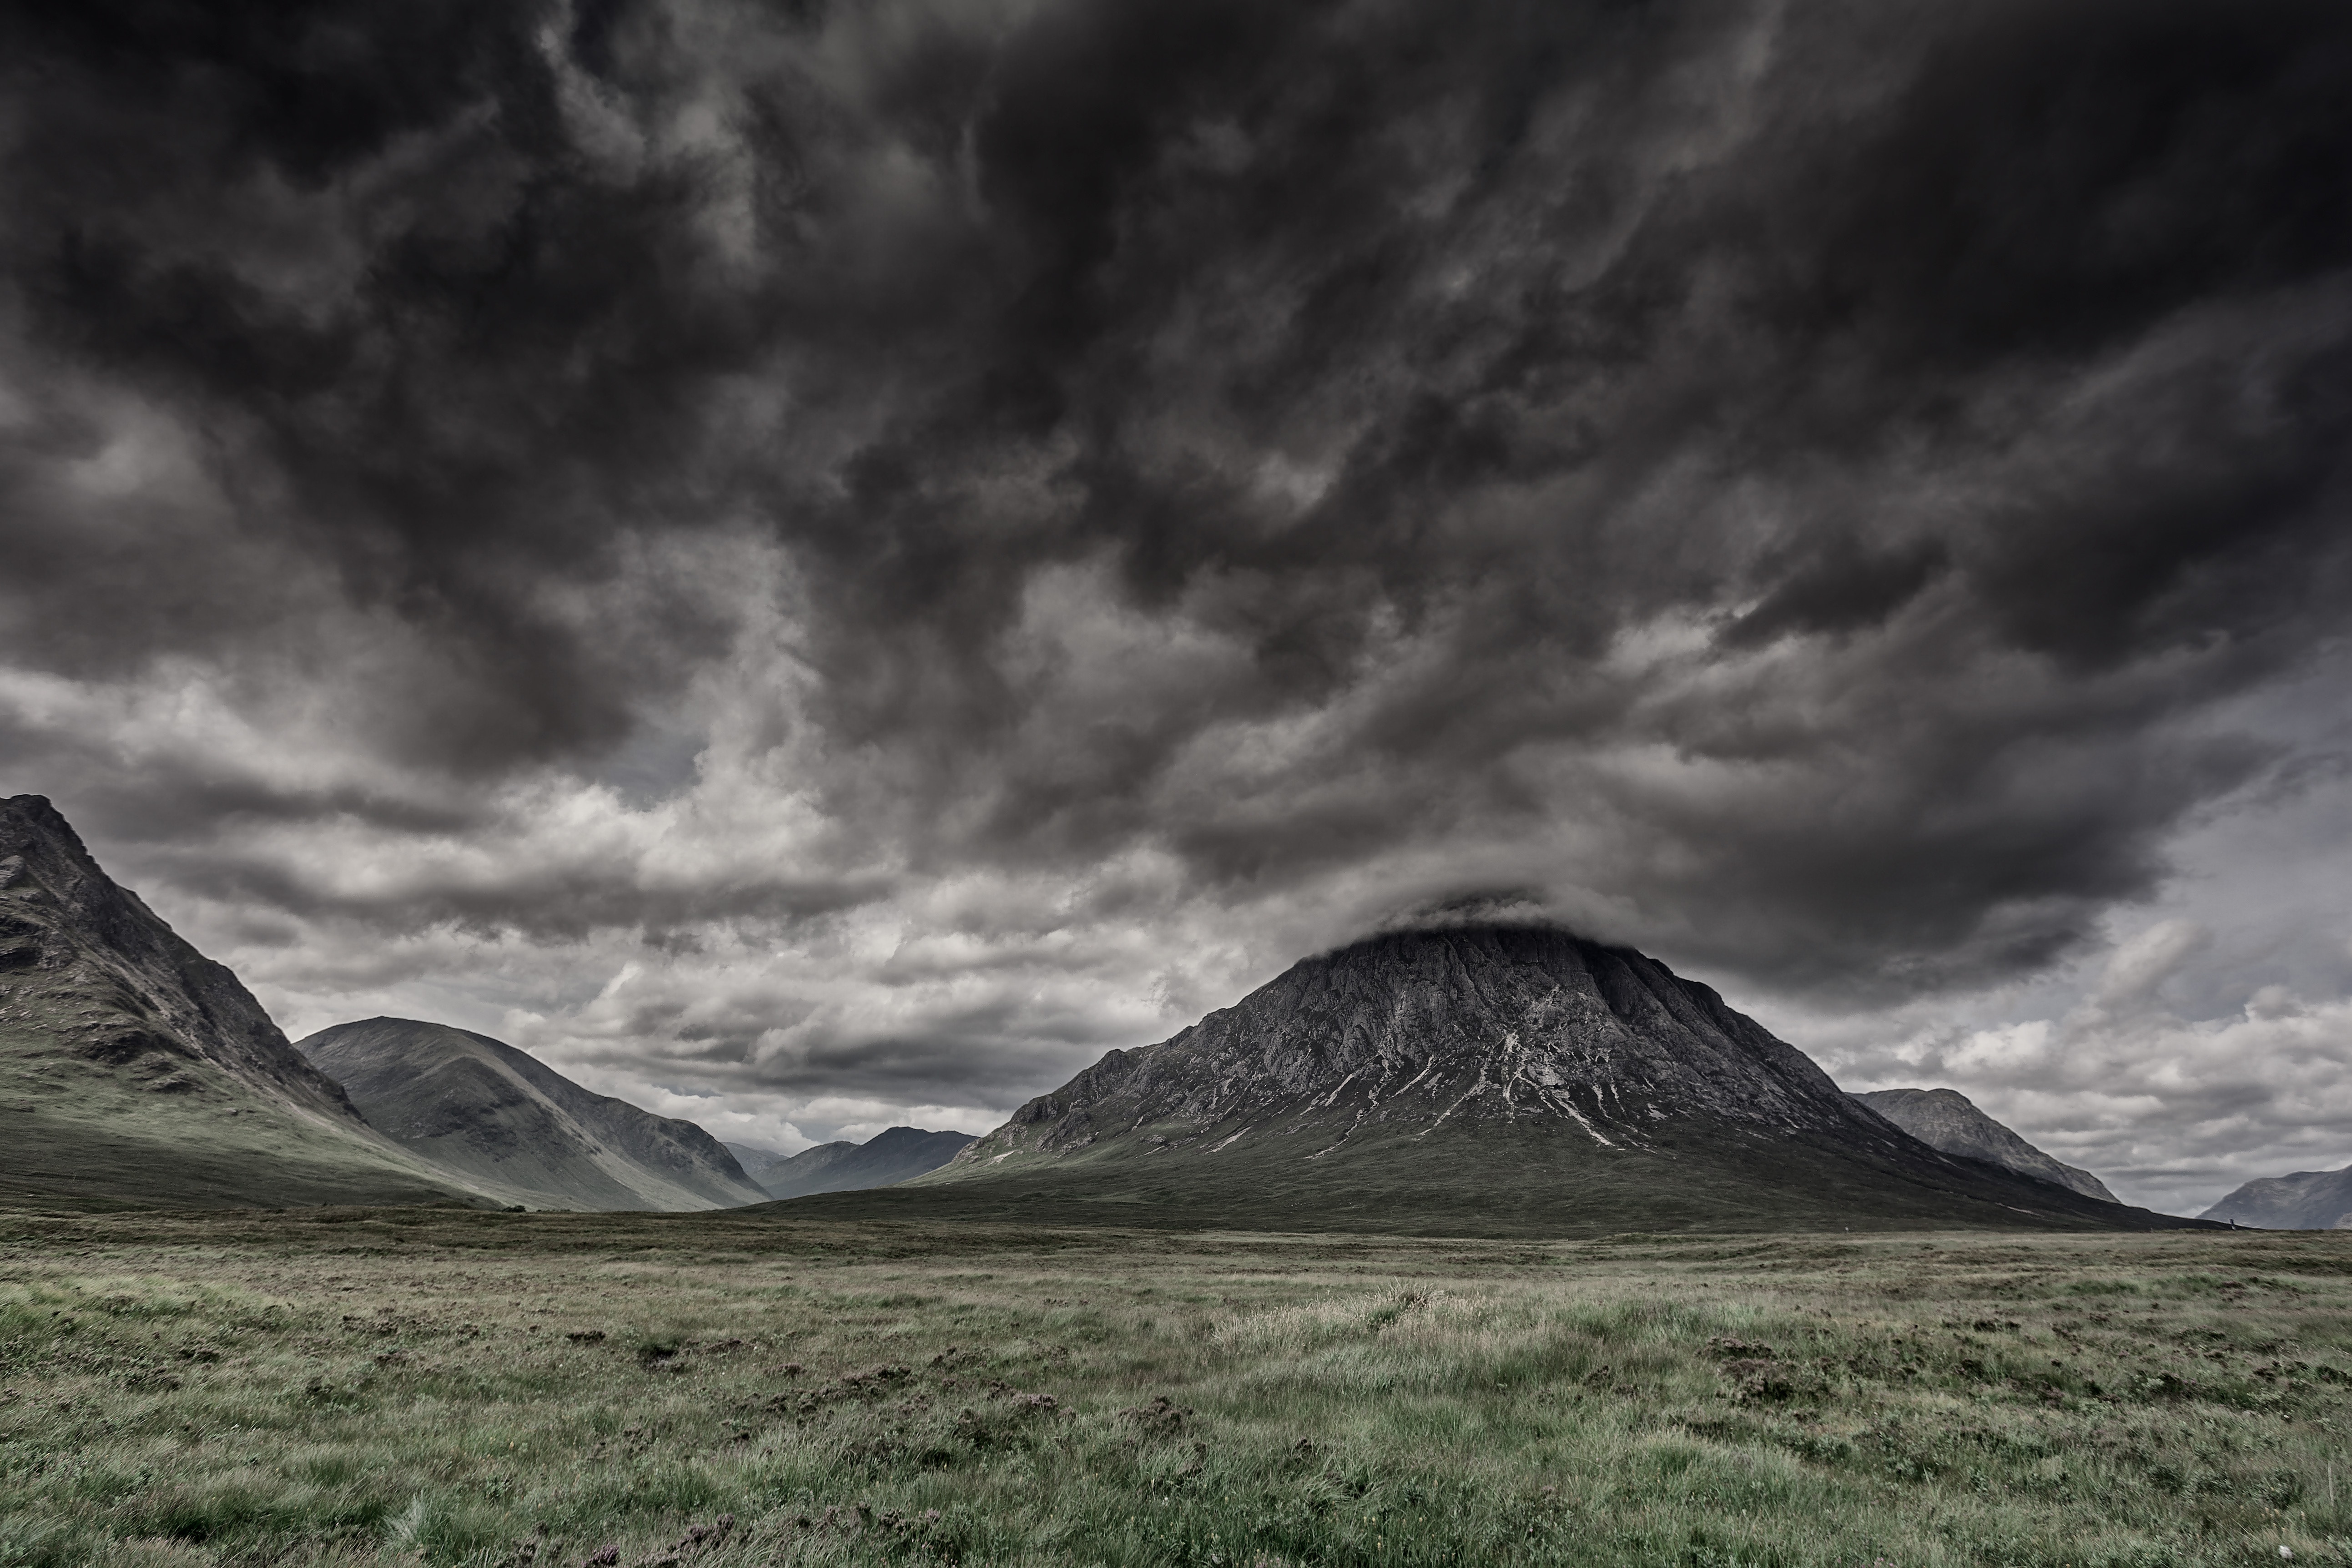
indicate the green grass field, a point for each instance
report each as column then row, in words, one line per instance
column 434, row 1386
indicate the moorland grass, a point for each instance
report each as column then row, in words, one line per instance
column 420, row 1386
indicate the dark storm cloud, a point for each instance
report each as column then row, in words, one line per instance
column 1843, row 453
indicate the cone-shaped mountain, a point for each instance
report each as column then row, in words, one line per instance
column 1483, row 1078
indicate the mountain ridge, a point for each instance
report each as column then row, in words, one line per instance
column 893, row 1155
column 2301, row 1200
column 1948, row 1119
column 506, row 1123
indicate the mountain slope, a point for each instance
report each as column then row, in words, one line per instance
column 893, row 1155
column 503, row 1121
column 133, row 1069
column 1493, row 1079
column 2307, row 1200
column 1948, row 1119
column 755, row 1159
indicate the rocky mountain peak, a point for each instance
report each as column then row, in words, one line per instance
column 1454, row 1027
column 150, row 1001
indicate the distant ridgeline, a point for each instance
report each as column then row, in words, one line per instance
column 894, row 1154
column 1499, row 1079
column 2307, row 1200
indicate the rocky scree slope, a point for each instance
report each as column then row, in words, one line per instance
column 2305, row 1200
column 1948, row 1119
column 504, row 1122
column 1500, row 1078
column 133, row 1069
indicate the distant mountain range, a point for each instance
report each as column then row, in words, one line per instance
column 1948, row 1119
column 1500, row 1078
column 507, row 1124
column 1496, row 1079
column 896, row 1155
column 134, row 1068
column 2307, row 1200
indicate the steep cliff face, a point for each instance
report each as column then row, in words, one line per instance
column 503, row 1121
column 2307, row 1200
column 133, row 1068
column 1948, row 1119
column 1517, row 1075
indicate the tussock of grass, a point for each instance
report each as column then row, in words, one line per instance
column 399, row 1387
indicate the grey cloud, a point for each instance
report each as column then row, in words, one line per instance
column 1804, row 487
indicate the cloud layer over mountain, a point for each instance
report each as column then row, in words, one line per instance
column 846, row 558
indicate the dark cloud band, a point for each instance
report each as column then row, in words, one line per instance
column 1809, row 475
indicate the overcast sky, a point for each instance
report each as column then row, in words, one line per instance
column 819, row 565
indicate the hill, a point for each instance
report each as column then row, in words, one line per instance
column 134, row 1069
column 506, row 1123
column 1493, row 1079
column 754, row 1158
column 2307, row 1200
column 1948, row 1119
column 893, row 1155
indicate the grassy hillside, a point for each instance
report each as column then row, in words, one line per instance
column 1534, row 1179
column 740, row 1388
column 501, row 1121
column 187, row 1135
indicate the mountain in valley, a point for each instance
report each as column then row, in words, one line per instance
column 2307, row 1200
column 755, row 1158
column 134, row 1069
column 1948, row 1119
column 893, row 1155
column 505, row 1123
column 1497, row 1080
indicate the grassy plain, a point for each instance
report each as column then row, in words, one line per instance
column 386, row 1386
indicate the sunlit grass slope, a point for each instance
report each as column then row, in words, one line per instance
column 450, row 1388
